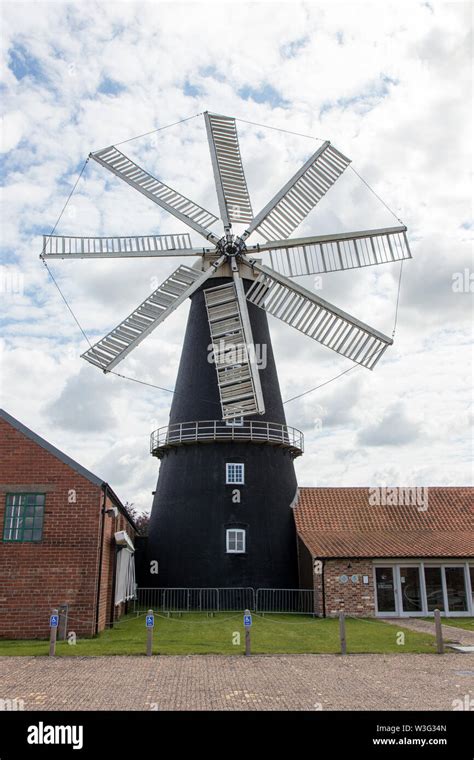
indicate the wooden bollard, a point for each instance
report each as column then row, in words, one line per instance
column 439, row 632
column 342, row 632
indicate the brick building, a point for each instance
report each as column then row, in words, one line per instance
column 387, row 552
column 66, row 539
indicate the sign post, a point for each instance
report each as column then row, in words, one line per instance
column 53, row 632
column 150, row 624
column 247, row 626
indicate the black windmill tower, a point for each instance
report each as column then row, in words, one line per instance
column 222, row 512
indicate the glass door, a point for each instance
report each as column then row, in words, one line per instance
column 410, row 589
column 434, row 588
column 456, row 589
column 385, row 591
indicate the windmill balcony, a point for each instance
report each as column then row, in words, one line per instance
column 210, row 431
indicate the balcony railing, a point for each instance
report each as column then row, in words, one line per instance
column 208, row 431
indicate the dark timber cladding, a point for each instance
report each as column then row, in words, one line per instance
column 193, row 507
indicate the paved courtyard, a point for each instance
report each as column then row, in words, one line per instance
column 277, row 682
column 450, row 632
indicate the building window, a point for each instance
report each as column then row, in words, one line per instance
column 23, row 517
column 424, row 586
column 235, row 541
column 456, row 589
column 235, row 422
column 434, row 588
column 234, row 474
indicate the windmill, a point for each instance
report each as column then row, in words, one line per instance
column 221, row 513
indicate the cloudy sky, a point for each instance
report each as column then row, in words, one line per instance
column 388, row 83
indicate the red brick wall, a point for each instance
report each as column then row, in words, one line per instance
column 62, row 567
column 353, row 598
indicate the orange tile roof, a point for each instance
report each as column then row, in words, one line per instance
column 344, row 522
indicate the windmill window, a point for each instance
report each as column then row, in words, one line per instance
column 235, row 422
column 235, row 541
column 24, row 517
column 234, row 474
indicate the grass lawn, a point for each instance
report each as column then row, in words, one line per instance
column 461, row 622
column 194, row 633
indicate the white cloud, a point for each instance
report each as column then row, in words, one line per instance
column 11, row 130
column 394, row 429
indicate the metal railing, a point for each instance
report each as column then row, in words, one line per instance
column 195, row 599
column 297, row 601
column 275, row 600
column 205, row 431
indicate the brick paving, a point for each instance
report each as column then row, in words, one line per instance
column 277, row 682
column 450, row 632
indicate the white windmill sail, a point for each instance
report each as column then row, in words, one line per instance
column 229, row 322
column 315, row 317
column 73, row 247
column 285, row 212
column 331, row 253
column 237, row 375
column 231, row 185
column 109, row 351
column 189, row 212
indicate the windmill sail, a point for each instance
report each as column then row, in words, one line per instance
column 239, row 389
column 247, row 332
column 109, row 351
column 68, row 247
column 227, row 309
column 317, row 318
column 189, row 212
column 331, row 253
column 231, row 185
column 283, row 214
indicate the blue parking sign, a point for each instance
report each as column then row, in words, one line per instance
column 150, row 621
column 247, row 621
column 53, row 621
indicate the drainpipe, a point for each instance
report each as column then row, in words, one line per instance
column 101, row 554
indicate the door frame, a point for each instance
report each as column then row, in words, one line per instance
column 457, row 613
column 391, row 566
column 422, row 587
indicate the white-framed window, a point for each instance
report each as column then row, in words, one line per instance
column 235, row 422
column 420, row 586
column 24, row 513
column 235, row 540
column 234, row 473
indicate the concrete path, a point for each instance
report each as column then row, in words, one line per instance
column 277, row 682
column 450, row 632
